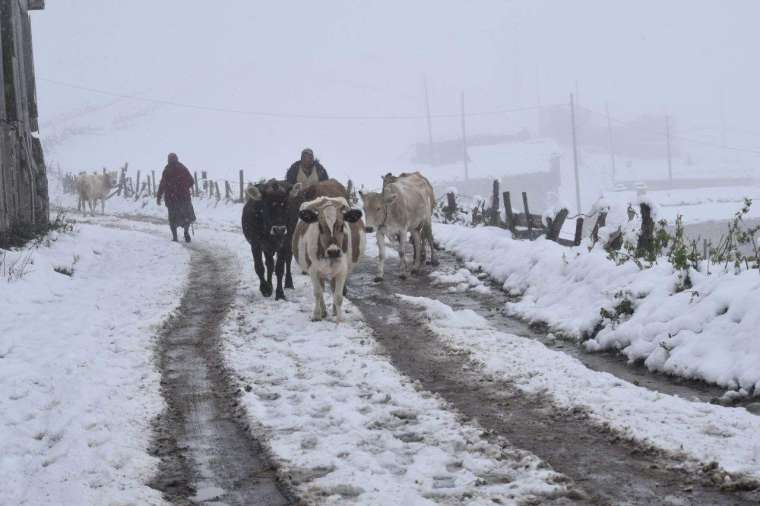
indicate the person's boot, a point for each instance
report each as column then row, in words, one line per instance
column 187, row 234
column 174, row 234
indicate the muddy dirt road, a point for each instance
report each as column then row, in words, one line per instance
column 207, row 454
column 608, row 469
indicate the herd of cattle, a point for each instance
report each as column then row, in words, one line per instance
column 316, row 225
column 327, row 237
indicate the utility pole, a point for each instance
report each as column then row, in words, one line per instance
column 578, row 103
column 429, row 122
column 464, row 142
column 575, row 156
column 670, row 162
column 609, row 138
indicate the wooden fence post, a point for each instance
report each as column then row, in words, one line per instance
column 241, row 186
column 451, row 206
column 495, row 218
column 578, row 231
column 153, row 179
column 527, row 215
column 508, row 211
column 600, row 222
column 195, row 178
column 218, row 195
column 227, row 190
column 137, row 182
column 555, row 225
column 647, row 230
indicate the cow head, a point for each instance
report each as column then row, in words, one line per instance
column 331, row 219
column 111, row 178
column 271, row 208
column 375, row 208
column 388, row 179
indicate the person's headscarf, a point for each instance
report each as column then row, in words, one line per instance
column 173, row 158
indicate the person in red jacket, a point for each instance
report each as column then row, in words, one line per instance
column 176, row 182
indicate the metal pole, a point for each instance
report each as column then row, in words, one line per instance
column 670, row 162
column 429, row 121
column 464, row 143
column 609, row 136
column 575, row 157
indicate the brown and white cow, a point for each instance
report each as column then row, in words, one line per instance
column 328, row 242
column 94, row 187
column 405, row 206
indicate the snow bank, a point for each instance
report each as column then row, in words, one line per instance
column 708, row 332
column 345, row 426
column 704, row 432
column 78, row 382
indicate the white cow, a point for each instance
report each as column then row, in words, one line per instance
column 404, row 207
column 94, row 187
column 328, row 241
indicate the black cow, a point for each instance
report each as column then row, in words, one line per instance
column 265, row 226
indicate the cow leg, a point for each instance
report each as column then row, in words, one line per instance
column 319, row 302
column 417, row 260
column 380, row 235
column 279, row 268
column 103, row 206
column 338, row 285
column 427, row 231
column 92, row 206
column 288, row 261
column 402, row 255
column 258, row 264
column 269, row 259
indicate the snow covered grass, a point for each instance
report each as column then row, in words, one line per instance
column 706, row 332
column 345, row 427
column 79, row 385
column 704, row 432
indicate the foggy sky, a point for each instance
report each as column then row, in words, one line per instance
column 689, row 58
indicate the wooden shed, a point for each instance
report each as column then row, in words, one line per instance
column 24, row 203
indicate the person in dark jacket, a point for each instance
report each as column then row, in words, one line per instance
column 307, row 170
column 175, row 185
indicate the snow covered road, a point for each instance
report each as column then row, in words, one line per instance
column 408, row 402
column 78, row 382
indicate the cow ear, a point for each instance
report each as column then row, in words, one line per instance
column 307, row 215
column 361, row 194
column 253, row 193
column 352, row 215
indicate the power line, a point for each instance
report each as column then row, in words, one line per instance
column 281, row 115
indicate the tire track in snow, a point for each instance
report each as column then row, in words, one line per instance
column 208, row 455
column 608, row 468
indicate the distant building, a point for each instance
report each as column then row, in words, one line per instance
column 24, row 203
